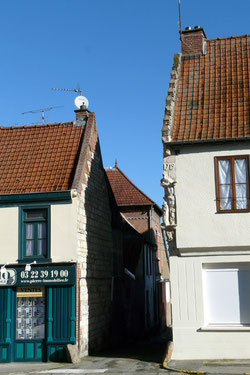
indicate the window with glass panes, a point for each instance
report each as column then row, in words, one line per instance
column 232, row 180
column 30, row 317
column 34, row 233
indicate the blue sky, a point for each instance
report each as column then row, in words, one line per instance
column 119, row 52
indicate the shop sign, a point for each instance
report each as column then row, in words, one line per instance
column 8, row 276
column 30, row 291
column 38, row 275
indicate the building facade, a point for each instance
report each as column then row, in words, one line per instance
column 56, row 241
column 144, row 252
column 206, row 135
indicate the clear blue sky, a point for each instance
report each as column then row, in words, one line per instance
column 119, row 52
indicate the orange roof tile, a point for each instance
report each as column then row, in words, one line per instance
column 213, row 98
column 38, row 158
column 125, row 192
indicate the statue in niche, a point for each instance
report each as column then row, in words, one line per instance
column 171, row 203
column 165, row 213
column 170, row 235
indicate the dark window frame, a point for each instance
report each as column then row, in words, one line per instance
column 23, row 220
column 234, row 198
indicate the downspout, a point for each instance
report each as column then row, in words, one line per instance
column 150, row 223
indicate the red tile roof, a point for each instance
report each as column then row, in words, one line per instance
column 125, row 192
column 213, row 98
column 38, row 158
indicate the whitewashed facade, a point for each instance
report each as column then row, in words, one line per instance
column 210, row 276
column 206, row 204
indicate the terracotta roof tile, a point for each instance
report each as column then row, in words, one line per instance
column 125, row 192
column 213, row 99
column 38, row 158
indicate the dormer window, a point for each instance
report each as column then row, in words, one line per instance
column 232, row 182
column 34, row 233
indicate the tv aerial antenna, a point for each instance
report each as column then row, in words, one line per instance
column 42, row 110
column 79, row 100
column 179, row 6
column 63, row 89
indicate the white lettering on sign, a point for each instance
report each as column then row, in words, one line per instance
column 7, row 276
column 44, row 274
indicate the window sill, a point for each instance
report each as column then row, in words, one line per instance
column 31, row 259
column 233, row 211
column 225, row 328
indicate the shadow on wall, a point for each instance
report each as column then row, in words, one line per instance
column 121, row 309
column 244, row 292
column 101, row 259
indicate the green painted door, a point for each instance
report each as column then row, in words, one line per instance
column 61, row 327
column 6, row 323
column 29, row 333
column 37, row 327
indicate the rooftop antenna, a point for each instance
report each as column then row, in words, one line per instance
column 63, row 89
column 180, row 17
column 81, row 102
column 42, row 110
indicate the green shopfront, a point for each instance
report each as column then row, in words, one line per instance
column 37, row 312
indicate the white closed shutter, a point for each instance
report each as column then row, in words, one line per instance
column 227, row 295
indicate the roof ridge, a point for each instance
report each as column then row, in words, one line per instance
column 35, row 126
column 145, row 195
column 228, row 37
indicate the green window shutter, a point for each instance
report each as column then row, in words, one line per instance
column 6, row 314
column 61, row 314
column 6, row 303
column 73, row 315
column 9, row 314
column 3, row 315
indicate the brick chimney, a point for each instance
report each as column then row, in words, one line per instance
column 82, row 115
column 193, row 41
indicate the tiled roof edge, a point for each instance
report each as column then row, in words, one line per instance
column 168, row 120
column 130, row 224
column 35, row 126
column 210, row 140
column 140, row 191
column 229, row 37
column 83, row 155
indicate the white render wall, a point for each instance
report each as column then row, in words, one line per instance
column 199, row 226
column 63, row 233
column 9, row 235
column 192, row 338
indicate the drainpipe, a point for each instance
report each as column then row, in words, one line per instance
column 150, row 223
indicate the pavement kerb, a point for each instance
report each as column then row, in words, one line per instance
column 166, row 367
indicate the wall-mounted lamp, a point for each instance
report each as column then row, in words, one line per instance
column 130, row 274
column 28, row 266
column 3, row 268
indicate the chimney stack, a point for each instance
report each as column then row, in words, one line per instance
column 193, row 41
column 82, row 115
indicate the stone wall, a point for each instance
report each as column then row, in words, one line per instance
column 169, row 159
column 95, row 252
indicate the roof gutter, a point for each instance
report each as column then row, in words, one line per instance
column 211, row 140
column 51, row 196
column 142, row 204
